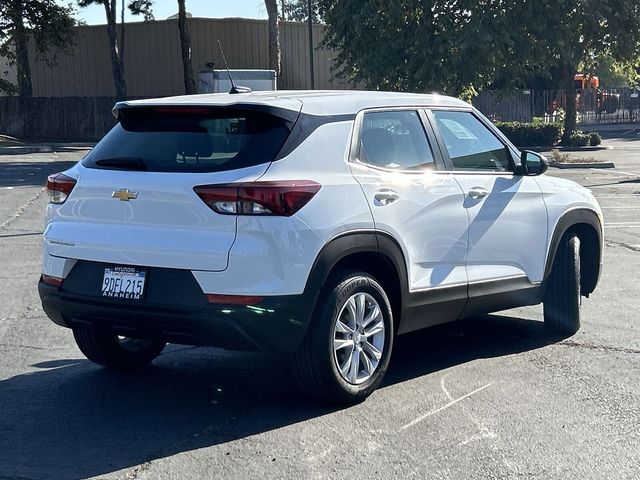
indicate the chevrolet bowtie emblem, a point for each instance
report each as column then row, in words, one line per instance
column 124, row 195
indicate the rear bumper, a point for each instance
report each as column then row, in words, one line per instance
column 277, row 324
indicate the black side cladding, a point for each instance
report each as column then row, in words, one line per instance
column 587, row 225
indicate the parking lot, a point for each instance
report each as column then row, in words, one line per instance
column 491, row 397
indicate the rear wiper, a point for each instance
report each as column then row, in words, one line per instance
column 125, row 163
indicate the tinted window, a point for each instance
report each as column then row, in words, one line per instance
column 395, row 140
column 183, row 140
column 471, row 146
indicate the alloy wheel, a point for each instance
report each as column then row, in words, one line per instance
column 358, row 338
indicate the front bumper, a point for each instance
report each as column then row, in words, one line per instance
column 175, row 309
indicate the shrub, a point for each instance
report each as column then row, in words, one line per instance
column 595, row 139
column 531, row 134
column 579, row 139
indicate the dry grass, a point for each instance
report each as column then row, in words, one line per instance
column 559, row 157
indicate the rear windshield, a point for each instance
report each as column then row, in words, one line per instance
column 189, row 140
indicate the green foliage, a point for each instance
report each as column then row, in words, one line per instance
column 578, row 139
column 578, row 33
column 142, row 7
column 468, row 93
column 556, row 119
column 595, row 139
column 531, row 134
column 539, row 134
column 612, row 73
column 421, row 45
column 50, row 24
column 298, row 11
column 7, row 87
column 136, row 7
column 46, row 22
column 451, row 46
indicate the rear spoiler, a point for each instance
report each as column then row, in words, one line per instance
column 289, row 115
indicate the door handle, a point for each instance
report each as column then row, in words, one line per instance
column 477, row 192
column 385, row 197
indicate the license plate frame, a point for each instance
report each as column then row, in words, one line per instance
column 123, row 282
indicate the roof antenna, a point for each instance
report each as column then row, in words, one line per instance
column 234, row 88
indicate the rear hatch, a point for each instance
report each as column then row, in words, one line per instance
column 134, row 202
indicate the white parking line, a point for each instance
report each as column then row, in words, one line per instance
column 622, row 225
column 619, row 195
column 621, row 208
column 615, row 172
column 452, row 402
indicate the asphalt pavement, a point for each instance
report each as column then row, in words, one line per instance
column 491, row 397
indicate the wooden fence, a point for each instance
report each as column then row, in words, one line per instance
column 56, row 119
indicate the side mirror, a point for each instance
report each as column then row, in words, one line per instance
column 532, row 164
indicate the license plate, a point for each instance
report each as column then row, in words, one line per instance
column 123, row 282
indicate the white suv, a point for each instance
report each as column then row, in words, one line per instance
column 315, row 224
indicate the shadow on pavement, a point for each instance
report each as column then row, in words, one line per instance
column 619, row 133
column 19, row 174
column 72, row 419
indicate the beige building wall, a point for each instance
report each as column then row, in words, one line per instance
column 7, row 72
column 153, row 63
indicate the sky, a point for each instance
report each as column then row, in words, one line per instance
column 198, row 8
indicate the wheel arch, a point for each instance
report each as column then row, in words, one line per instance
column 586, row 225
column 370, row 251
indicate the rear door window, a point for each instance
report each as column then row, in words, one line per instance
column 395, row 140
column 189, row 140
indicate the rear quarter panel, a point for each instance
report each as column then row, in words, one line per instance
column 275, row 255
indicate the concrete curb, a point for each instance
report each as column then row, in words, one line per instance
column 562, row 165
column 583, row 149
column 28, row 149
column 567, row 149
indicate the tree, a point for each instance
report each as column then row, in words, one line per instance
column 298, row 11
column 185, row 47
column 116, row 46
column 419, row 45
column 50, row 24
column 614, row 74
column 274, row 35
column 585, row 32
column 459, row 46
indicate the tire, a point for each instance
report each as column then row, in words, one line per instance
column 107, row 349
column 562, row 296
column 316, row 365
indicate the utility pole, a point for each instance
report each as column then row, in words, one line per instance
column 313, row 83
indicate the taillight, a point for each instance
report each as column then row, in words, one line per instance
column 53, row 281
column 280, row 198
column 59, row 187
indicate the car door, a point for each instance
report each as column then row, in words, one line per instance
column 394, row 160
column 507, row 216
